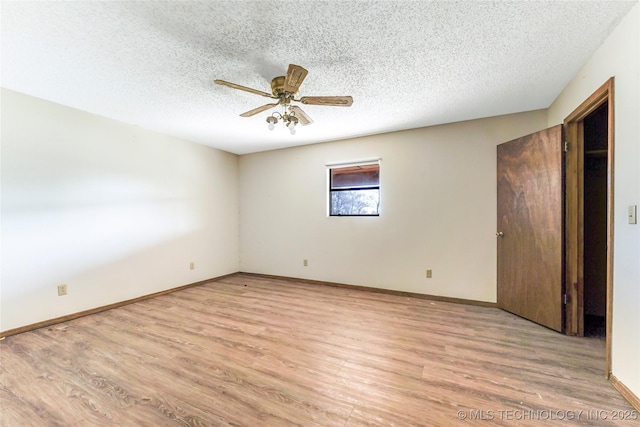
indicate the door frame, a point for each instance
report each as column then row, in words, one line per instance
column 574, row 214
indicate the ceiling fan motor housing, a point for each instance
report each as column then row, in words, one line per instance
column 277, row 86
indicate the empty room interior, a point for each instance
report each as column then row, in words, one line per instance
column 320, row 213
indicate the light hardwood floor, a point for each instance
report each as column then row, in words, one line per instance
column 254, row 351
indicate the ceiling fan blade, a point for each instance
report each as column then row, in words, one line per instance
column 295, row 77
column 336, row 101
column 301, row 115
column 258, row 110
column 244, row 88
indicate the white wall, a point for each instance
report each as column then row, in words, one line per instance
column 438, row 210
column 619, row 56
column 113, row 211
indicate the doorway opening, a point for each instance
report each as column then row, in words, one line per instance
column 589, row 218
column 595, row 222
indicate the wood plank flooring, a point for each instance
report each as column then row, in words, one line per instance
column 254, row 351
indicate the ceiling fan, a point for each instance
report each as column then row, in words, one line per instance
column 283, row 90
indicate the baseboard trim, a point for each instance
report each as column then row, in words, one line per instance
column 377, row 290
column 72, row 316
column 625, row 392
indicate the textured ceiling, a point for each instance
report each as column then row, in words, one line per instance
column 407, row 64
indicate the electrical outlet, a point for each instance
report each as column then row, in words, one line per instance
column 305, row 262
column 192, row 265
column 429, row 274
column 62, row 290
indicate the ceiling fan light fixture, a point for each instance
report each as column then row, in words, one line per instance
column 292, row 121
column 272, row 120
column 289, row 120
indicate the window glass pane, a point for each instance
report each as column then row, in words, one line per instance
column 355, row 202
column 355, row 176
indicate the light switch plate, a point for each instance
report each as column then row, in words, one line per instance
column 633, row 214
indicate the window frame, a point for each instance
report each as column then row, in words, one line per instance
column 330, row 190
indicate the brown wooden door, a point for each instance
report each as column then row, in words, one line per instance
column 530, row 213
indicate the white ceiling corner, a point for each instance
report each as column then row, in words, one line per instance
column 407, row 64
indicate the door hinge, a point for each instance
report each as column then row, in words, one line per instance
column 566, row 299
column 565, row 148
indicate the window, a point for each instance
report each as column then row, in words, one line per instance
column 354, row 189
